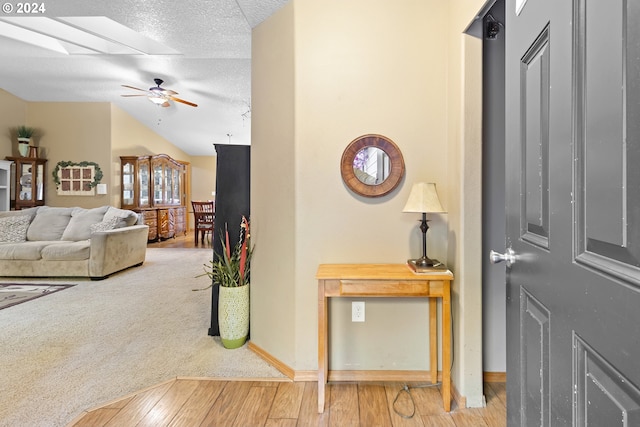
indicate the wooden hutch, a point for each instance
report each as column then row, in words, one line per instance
column 155, row 187
column 29, row 182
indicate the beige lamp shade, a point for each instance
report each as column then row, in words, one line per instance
column 423, row 198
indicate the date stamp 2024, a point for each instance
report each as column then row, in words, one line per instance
column 24, row 8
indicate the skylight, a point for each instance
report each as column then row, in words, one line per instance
column 81, row 35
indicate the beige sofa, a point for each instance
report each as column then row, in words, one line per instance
column 66, row 242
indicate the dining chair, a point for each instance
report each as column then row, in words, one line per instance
column 204, row 213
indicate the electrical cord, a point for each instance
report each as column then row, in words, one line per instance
column 407, row 389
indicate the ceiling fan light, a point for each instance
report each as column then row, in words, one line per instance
column 157, row 100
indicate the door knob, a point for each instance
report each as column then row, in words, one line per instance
column 509, row 257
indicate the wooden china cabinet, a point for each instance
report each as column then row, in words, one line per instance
column 155, row 187
column 29, row 182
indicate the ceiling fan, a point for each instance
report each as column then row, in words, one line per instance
column 160, row 96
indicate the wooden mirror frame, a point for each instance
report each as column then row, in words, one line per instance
column 396, row 162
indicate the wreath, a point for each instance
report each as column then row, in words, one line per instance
column 97, row 177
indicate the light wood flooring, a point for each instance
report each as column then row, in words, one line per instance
column 211, row 402
column 223, row 402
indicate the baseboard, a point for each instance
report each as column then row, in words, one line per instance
column 379, row 375
column 276, row 363
column 356, row 376
column 460, row 400
column 343, row 375
column 494, row 377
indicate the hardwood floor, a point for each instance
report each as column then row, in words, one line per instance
column 211, row 402
column 183, row 241
column 198, row 402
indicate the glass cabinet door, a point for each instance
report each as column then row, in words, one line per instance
column 167, row 185
column 128, row 181
column 38, row 187
column 157, row 184
column 25, row 174
column 144, row 183
column 176, row 187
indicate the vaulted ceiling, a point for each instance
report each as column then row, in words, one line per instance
column 200, row 48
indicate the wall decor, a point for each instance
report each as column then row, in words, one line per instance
column 372, row 165
column 76, row 179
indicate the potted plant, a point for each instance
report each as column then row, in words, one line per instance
column 230, row 270
column 24, row 134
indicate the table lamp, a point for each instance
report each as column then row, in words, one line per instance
column 423, row 199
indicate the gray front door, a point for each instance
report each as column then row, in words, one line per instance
column 573, row 212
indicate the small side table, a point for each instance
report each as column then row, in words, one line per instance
column 386, row 280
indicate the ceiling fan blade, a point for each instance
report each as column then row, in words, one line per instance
column 173, row 98
column 132, row 95
column 169, row 92
column 135, row 88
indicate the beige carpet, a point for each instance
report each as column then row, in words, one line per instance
column 97, row 341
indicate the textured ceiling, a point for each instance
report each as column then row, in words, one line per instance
column 212, row 70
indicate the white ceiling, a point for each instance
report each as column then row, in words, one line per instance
column 212, row 70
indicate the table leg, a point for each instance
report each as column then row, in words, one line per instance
column 446, row 346
column 433, row 339
column 323, row 366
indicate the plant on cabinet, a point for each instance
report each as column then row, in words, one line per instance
column 24, row 134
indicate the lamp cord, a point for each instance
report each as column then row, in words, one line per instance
column 407, row 389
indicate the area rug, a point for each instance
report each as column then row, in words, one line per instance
column 17, row 293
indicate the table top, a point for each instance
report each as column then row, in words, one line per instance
column 377, row 271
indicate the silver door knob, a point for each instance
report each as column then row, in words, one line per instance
column 509, row 257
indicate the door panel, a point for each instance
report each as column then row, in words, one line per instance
column 602, row 396
column 534, row 344
column 535, row 141
column 573, row 212
column 606, row 141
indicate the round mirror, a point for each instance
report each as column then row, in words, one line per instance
column 372, row 166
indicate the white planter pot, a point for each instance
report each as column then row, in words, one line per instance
column 233, row 315
column 23, row 147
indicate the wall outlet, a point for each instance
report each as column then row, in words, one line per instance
column 357, row 311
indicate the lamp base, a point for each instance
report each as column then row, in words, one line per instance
column 423, row 265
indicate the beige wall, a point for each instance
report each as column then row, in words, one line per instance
column 273, row 181
column 346, row 69
column 96, row 132
column 323, row 74
column 203, row 177
column 73, row 131
column 465, row 177
column 13, row 113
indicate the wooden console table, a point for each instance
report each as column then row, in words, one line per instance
column 386, row 280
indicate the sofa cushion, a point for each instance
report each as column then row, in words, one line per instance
column 126, row 217
column 49, row 223
column 67, row 251
column 79, row 227
column 24, row 250
column 31, row 212
column 14, row 228
column 108, row 224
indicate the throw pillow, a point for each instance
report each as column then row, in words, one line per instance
column 30, row 212
column 107, row 224
column 81, row 220
column 13, row 229
column 49, row 223
column 126, row 217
